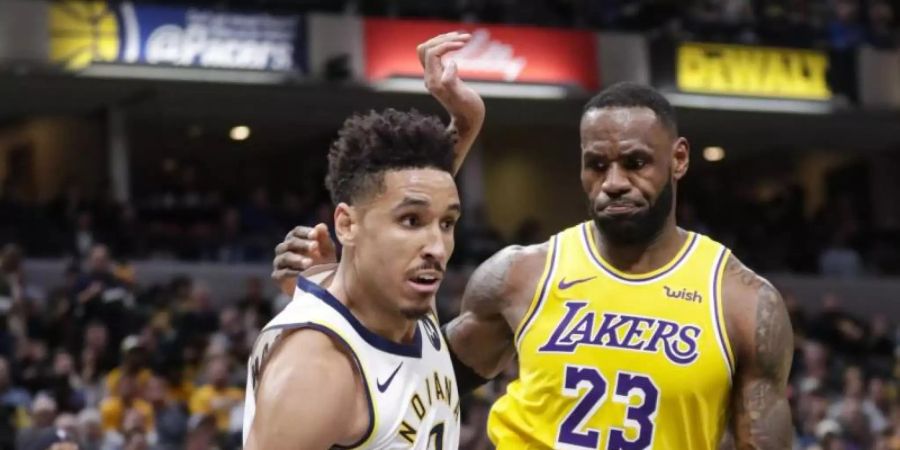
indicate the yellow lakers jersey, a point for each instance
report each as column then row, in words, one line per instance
column 609, row 360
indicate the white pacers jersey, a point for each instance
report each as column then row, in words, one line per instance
column 412, row 394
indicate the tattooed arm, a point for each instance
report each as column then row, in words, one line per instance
column 495, row 301
column 762, row 340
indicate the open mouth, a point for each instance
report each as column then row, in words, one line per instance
column 425, row 282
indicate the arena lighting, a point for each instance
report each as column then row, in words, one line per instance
column 713, row 154
column 509, row 90
column 239, row 133
column 749, row 104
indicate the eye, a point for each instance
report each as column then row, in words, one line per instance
column 636, row 162
column 597, row 165
column 410, row 220
column 448, row 224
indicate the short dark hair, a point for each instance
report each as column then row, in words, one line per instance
column 370, row 144
column 629, row 95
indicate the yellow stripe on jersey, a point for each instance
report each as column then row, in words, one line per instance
column 610, row 360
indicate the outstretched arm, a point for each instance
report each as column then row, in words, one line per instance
column 465, row 106
column 763, row 340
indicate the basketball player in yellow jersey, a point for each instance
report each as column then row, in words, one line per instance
column 631, row 332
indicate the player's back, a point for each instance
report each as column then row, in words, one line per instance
column 610, row 360
column 411, row 389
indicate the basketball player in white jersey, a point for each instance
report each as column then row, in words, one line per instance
column 362, row 364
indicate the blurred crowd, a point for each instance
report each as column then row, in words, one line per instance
column 115, row 363
column 183, row 223
column 824, row 23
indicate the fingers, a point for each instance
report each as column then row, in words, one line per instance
column 423, row 48
column 299, row 232
column 297, row 246
column 449, row 73
column 291, row 262
column 320, row 235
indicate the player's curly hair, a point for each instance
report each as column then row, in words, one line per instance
column 370, row 144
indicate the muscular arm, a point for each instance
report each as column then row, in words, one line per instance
column 308, row 396
column 495, row 300
column 761, row 334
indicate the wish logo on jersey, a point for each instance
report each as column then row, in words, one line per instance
column 628, row 332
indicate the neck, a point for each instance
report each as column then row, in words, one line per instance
column 645, row 257
column 348, row 288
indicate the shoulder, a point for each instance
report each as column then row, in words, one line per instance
column 308, row 356
column 756, row 317
column 313, row 366
column 510, row 274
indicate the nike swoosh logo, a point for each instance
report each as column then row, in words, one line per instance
column 563, row 284
column 383, row 386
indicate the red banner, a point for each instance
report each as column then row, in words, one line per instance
column 495, row 53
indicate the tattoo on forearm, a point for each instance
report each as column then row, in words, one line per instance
column 762, row 415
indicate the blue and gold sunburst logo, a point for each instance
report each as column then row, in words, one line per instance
column 82, row 32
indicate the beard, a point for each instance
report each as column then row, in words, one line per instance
column 639, row 228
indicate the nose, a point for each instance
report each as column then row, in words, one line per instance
column 616, row 183
column 436, row 247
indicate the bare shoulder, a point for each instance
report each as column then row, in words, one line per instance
column 758, row 322
column 509, row 276
column 308, row 349
column 314, row 366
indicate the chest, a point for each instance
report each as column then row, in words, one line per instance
column 414, row 401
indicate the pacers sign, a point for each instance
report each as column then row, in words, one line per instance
column 752, row 71
column 83, row 32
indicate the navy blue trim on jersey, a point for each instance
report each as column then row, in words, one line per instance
column 411, row 350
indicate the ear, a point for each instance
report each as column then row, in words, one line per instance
column 345, row 224
column 681, row 158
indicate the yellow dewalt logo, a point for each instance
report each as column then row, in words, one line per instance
column 752, row 71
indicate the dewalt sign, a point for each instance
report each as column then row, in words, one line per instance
column 752, row 71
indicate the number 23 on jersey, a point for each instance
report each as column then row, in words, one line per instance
column 588, row 384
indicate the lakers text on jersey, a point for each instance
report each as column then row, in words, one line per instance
column 609, row 360
column 411, row 388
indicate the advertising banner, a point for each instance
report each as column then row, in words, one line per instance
column 505, row 54
column 82, row 32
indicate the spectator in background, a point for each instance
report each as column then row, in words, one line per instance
column 845, row 31
column 134, row 366
column 14, row 403
column 125, row 410
column 839, row 259
column 101, row 295
column 65, row 384
column 838, row 329
column 231, row 242
column 857, row 414
column 171, row 419
column 254, row 302
column 85, row 236
column 43, row 413
column 90, row 430
column 217, row 397
column 882, row 32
